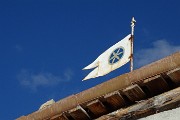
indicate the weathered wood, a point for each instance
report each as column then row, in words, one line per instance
column 156, row 85
column 79, row 113
column 120, row 82
column 175, row 75
column 59, row 117
column 97, row 108
column 115, row 100
column 162, row 102
column 134, row 93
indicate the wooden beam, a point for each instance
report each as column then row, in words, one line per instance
column 156, row 85
column 59, row 117
column 175, row 75
column 97, row 108
column 115, row 100
column 162, row 102
column 134, row 93
column 79, row 113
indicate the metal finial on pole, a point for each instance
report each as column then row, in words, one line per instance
column 132, row 25
column 132, row 39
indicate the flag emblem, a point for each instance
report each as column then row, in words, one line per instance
column 116, row 55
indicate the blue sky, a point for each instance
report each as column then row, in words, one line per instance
column 44, row 44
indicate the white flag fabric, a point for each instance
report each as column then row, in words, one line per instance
column 113, row 58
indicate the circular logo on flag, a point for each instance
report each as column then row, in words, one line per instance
column 116, row 55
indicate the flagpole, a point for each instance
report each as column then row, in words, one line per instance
column 132, row 39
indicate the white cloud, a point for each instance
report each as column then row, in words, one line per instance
column 160, row 49
column 68, row 74
column 33, row 81
column 18, row 48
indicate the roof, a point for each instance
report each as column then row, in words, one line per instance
column 119, row 92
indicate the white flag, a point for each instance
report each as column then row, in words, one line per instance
column 113, row 58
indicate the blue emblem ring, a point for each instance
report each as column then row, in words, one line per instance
column 116, row 55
